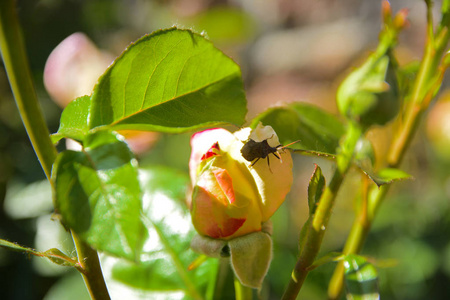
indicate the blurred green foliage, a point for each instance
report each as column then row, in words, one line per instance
column 413, row 225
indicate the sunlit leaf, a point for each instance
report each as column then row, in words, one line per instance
column 17, row 247
column 58, row 257
column 171, row 80
column 330, row 257
column 317, row 130
column 166, row 257
column 315, row 189
column 387, row 176
column 54, row 255
column 74, row 120
column 97, row 193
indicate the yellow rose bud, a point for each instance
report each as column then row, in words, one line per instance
column 231, row 197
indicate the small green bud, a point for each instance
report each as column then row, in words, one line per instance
column 370, row 94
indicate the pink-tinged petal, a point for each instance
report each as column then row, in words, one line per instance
column 213, row 151
column 73, row 67
column 273, row 183
column 219, row 210
column 226, row 184
column 201, row 142
column 209, row 216
column 229, row 227
column 232, row 198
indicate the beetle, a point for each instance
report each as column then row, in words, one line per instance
column 253, row 151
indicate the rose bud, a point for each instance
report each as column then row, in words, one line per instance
column 231, row 196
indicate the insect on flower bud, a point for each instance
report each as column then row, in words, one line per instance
column 232, row 196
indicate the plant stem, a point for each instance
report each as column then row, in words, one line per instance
column 355, row 241
column 420, row 98
column 242, row 292
column 19, row 75
column 316, row 229
column 90, row 264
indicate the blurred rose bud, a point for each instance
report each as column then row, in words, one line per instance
column 72, row 70
column 231, row 198
column 73, row 67
column 369, row 95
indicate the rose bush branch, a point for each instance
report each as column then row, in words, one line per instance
column 19, row 75
column 317, row 227
column 426, row 85
column 367, row 97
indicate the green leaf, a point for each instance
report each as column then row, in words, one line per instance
column 165, row 261
column 54, row 255
column 58, row 257
column 330, row 257
column 304, row 232
column 97, row 193
column 387, row 176
column 18, row 248
column 364, row 153
column 361, row 278
column 369, row 95
column 74, row 120
column 171, row 80
column 315, row 189
column 318, row 131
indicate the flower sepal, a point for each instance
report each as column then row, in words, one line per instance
column 250, row 255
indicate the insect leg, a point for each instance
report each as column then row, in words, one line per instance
column 255, row 161
column 268, row 163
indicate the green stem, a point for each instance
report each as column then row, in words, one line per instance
column 219, row 283
column 242, row 292
column 19, row 75
column 355, row 241
column 90, row 265
column 316, row 229
column 420, row 99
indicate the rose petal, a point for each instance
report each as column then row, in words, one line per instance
column 272, row 183
column 73, row 67
column 210, row 218
column 201, row 142
column 224, row 205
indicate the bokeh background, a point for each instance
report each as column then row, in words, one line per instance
column 289, row 50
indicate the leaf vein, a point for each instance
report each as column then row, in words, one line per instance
column 154, row 70
column 172, row 99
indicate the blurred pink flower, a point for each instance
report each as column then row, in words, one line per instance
column 72, row 70
column 73, row 67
